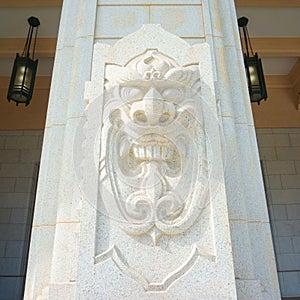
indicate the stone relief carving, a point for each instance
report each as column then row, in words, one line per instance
column 153, row 146
column 155, row 225
column 115, row 254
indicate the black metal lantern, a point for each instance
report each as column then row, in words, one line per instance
column 24, row 69
column 253, row 65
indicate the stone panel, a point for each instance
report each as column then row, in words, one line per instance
column 11, row 288
column 290, row 181
column 19, row 216
column 16, row 170
column 9, row 156
column 30, row 156
column 267, row 153
column 11, row 200
column 5, row 215
column 290, row 196
column 14, row 249
column 184, row 21
column 16, row 199
column 284, row 200
column 296, row 244
column 147, row 2
column 24, row 185
column 293, row 212
column 274, row 182
column 295, row 139
column 273, row 140
column 279, row 212
column 285, row 245
column 280, row 167
column 25, row 142
column 288, row 262
column 7, row 185
column 117, row 21
column 291, row 282
column 2, row 248
column 2, row 141
column 189, row 267
column 10, row 266
column 288, row 153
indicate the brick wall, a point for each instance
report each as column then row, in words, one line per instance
column 19, row 156
column 280, row 155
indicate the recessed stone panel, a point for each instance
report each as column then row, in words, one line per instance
column 184, row 21
column 118, row 21
column 148, row 2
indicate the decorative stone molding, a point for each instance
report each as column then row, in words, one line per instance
column 154, row 200
column 152, row 140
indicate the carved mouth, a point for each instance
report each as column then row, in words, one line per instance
column 153, row 148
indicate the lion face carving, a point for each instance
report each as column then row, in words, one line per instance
column 152, row 145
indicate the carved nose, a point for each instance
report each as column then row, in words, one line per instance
column 152, row 110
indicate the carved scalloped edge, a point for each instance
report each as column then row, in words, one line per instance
column 115, row 255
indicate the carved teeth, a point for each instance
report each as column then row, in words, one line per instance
column 141, row 151
column 155, row 151
column 152, row 152
column 165, row 152
column 148, row 151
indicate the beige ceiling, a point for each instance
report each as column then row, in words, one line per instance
column 264, row 22
column 273, row 22
column 15, row 19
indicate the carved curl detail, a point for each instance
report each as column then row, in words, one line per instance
column 153, row 151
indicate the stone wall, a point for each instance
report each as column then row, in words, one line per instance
column 280, row 155
column 117, row 18
column 19, row 157
column 53, row 262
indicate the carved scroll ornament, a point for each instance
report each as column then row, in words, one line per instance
column 153, row 146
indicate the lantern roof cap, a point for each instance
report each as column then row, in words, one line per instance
column 33, row 21
column 243, row 21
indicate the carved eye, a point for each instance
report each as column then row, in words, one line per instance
column 164, row 117
column 131, row 93
column 140, row 116
column 173, row 94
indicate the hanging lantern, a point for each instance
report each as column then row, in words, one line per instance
column 253, row 65
column 24, row 69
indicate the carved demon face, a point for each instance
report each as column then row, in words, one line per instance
column 153, row 146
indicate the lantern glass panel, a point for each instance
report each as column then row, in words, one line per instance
column 22, row 80
column 23, row 77
column 253, row 75
column 256, row 81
